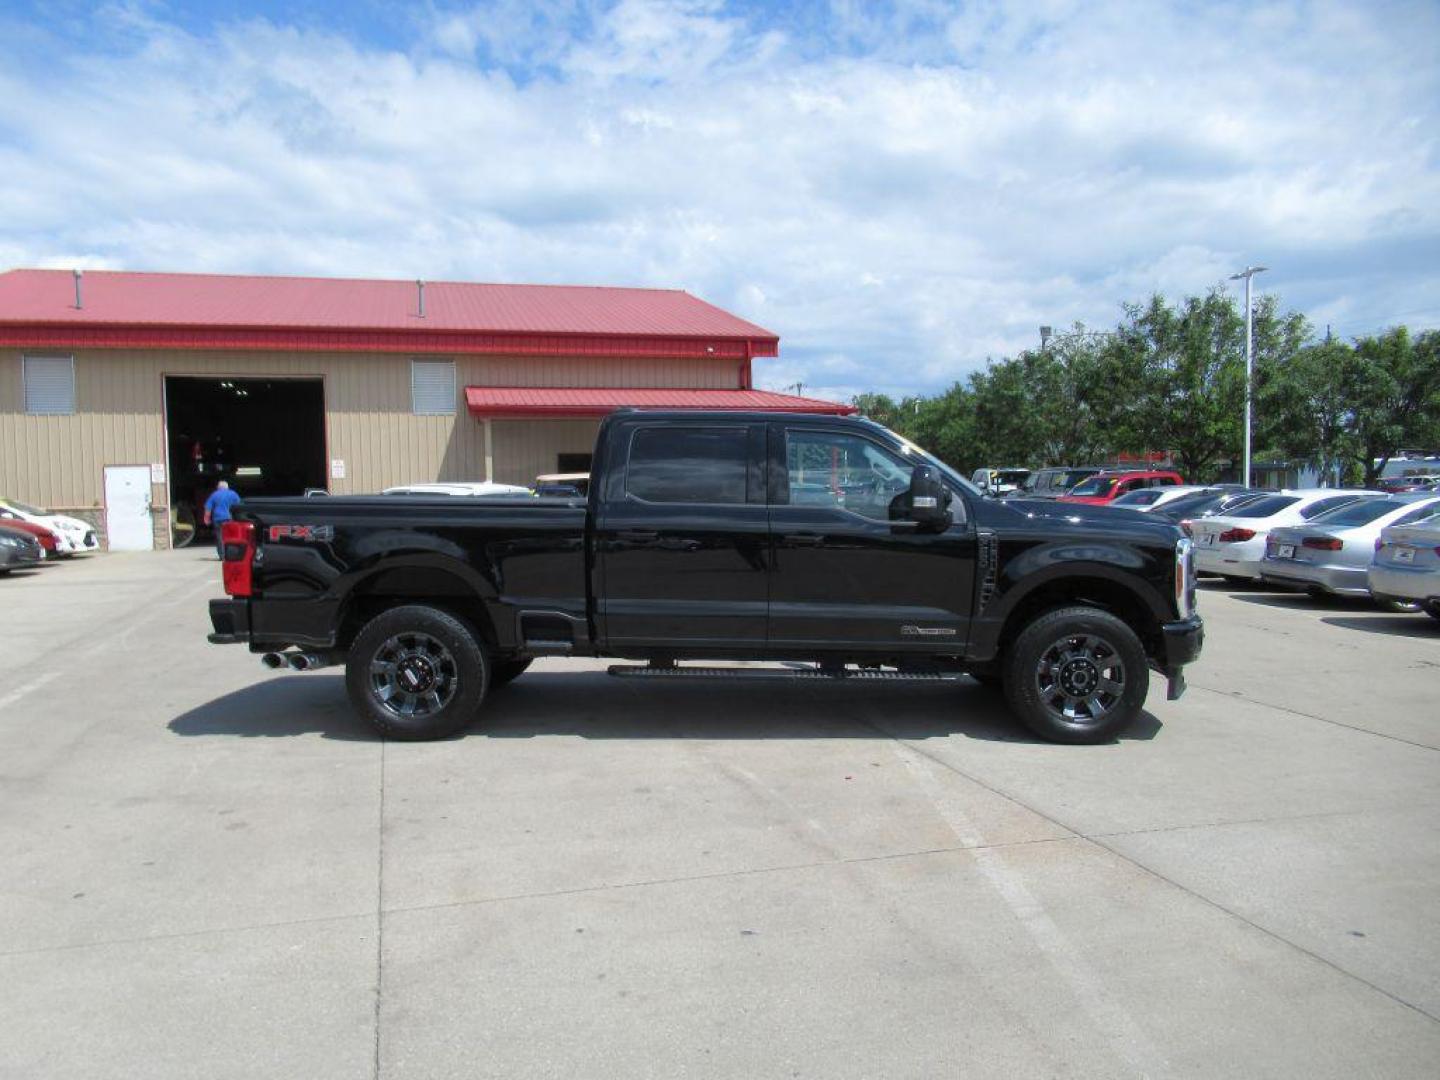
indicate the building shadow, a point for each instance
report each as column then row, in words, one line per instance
column 593, row 705
column 1418, row 625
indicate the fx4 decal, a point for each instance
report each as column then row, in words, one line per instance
column 306, row 533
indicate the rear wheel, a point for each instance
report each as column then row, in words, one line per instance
column 417, row 672
column 1432, row 608
column 1077, row 675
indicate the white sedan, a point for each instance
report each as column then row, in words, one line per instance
column 1233, row 545
column 1406, row 566
column 73, row 536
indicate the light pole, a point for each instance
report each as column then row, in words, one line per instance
column 1248, row 273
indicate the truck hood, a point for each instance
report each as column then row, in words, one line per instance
column 1066, row 518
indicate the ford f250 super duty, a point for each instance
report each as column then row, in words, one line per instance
column 719, row 537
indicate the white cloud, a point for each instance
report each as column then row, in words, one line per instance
column 899, row 191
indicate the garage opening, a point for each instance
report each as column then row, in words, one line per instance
column 264, row 436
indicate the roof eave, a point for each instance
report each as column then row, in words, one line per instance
column 313, row 339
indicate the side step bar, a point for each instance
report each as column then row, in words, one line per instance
column 636, row 671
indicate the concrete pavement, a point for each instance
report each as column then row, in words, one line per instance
column 210, row 869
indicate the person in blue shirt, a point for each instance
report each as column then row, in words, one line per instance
column 217, row 511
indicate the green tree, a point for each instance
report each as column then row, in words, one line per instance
column 1178, row 375
column 1394, row 396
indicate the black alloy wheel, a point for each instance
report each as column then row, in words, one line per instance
column 416, row 672
column 1077, row 675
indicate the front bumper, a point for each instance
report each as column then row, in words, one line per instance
column 1183, row 642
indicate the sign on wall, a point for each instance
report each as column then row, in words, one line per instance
column 337, row 468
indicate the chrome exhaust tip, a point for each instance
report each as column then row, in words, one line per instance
column 300, row 661
column 273, row 660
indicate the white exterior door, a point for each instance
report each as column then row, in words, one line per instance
column 127, row 508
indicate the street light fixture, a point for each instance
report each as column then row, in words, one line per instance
column 1248, row 273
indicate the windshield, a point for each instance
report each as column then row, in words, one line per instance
column 1361, row 513
column 1012, row 476
column 1096, row 485
column 25, row 508
column 1147, row 497
column 1264, row 507
column 911, row 450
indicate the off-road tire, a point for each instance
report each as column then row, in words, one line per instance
column 415, row 642
column 505, row 671
column 1072, row 649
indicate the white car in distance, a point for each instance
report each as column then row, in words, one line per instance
column 482, row 488
column 1233, row 545
column 1145, row 499
column 73, row 536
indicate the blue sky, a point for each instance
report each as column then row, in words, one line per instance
column 899, row 190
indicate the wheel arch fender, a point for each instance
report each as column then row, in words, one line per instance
column 437, row 578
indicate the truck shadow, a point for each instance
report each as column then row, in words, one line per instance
column 592, row 705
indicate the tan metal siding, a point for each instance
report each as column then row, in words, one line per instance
column 525, row 449
column 58, row 461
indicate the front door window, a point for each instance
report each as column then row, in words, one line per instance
column 846, row 472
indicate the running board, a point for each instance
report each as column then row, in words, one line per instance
column 635, row 671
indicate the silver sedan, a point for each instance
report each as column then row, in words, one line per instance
column 1406, row 568
column 1331, row 554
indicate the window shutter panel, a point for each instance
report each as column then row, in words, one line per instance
column 432, row 387
column 50, row 385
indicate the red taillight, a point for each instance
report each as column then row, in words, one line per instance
column 1233, row 536
column 1186, row 529
column 1323, row 543
column 238, row 540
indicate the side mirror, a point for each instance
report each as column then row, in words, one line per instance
column 929, row 497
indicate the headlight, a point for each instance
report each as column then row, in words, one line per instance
column 1185, row 577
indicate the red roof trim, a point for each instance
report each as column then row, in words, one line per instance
column 500, row 402
column 280, row 339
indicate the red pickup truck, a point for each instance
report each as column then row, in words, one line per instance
column 1104, row 488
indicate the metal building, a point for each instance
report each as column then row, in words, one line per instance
column 124, row 397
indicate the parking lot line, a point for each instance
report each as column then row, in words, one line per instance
column 17, row 695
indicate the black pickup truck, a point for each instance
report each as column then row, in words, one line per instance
column 719, row 537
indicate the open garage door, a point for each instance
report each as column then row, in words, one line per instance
column 265, row 436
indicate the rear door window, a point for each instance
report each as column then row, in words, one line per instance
column 688, row 465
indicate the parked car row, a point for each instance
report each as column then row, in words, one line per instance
column 30, row 535
column 1323, row 541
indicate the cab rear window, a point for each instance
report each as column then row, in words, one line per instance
column 1263, row 508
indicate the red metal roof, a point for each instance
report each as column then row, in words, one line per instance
column 136, row 310
column 510, row 401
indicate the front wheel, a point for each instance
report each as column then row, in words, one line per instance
column 1077, row 675
column 417, row 672
column 1432, row 608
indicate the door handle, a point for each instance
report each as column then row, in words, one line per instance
column 639, row 536
column 803, row 540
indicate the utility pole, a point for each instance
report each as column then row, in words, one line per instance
column 1248, row 273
